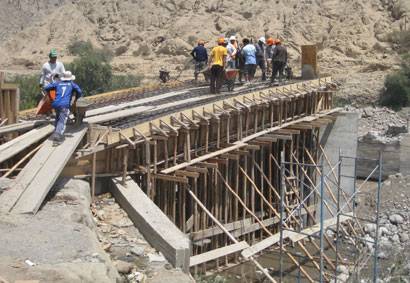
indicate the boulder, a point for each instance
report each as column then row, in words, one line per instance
column 123, row 266
column 396, row 219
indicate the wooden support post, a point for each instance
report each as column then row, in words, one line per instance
column 233, row 239
column 125, row 166
column 94, row 164
column 263, row 226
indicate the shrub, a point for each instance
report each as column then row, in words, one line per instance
column 85, row 48
column 397, row 91
column 402, row 39
column 30, row 93
column 92, row 75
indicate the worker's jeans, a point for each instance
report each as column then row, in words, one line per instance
column 217, row 73
column 261, row 63
column 61, row 120
column 199, row 67
column 277, row 67
column 231, row 64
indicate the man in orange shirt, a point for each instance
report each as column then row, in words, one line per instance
column 217, row 62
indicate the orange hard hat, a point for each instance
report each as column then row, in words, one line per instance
column 221, row 40
column 270, row 41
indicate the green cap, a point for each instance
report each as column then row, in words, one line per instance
column 53, row 53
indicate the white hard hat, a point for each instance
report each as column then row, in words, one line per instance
column 232, row 38
column 262, row 39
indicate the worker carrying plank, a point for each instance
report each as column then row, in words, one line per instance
column 65, row 88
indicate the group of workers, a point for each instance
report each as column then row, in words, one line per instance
column 55, row 77
column 268, row 55
column 227, row 55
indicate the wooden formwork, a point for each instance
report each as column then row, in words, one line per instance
column 228, row 155
column 9, row 102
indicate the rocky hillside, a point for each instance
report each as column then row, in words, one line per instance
column 353, row 35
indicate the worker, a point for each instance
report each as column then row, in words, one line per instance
column 270, row 46
column 249, row 55
column 51, row 70
column 232, row 51
column 279, row 60
column 65, row 88
column 200, row 56
column 260, row 56
column 217, row 62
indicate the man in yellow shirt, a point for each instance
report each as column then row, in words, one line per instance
column 217, row 62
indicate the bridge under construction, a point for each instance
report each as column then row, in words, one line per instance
column 209, row 180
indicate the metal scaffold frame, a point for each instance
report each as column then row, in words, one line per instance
column 292, row 225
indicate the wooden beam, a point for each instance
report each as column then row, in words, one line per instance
column 170, row 178
column 155, row 226
column 38, row 176
column 217, row 253
column 203, row 158
column 24, row 141
column 144, row 127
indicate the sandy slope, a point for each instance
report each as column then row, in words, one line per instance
column 146, row 35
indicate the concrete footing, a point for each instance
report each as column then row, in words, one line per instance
column 159, row 231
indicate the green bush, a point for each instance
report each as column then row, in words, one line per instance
column 396, row 92
column 29, row 91
column 85, row 48
column 402, row 39
column 92, row 75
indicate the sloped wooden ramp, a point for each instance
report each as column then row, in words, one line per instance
column 36, row 179
column 22, row 142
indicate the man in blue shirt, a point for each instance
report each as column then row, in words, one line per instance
column 61, row 104
column 249, row 55
column 200, row 56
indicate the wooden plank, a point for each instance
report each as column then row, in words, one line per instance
column 243, row 142
column 264, row 244
column 142, row 110
column 186, row 173
column 203, row 158
column 255, row 227
column 295, row 237
column 281, row 137
column 155, row 226
column 213, row 231
column 36, row 188
column 288, row 132
column 217, row 253
column 118, row 115
column 170, row 178
column 22, row 142
column 257, row 94
column 23, row 126
column 139, row 102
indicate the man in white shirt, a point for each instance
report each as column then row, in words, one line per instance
column 232, row 51
column 51, row 69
